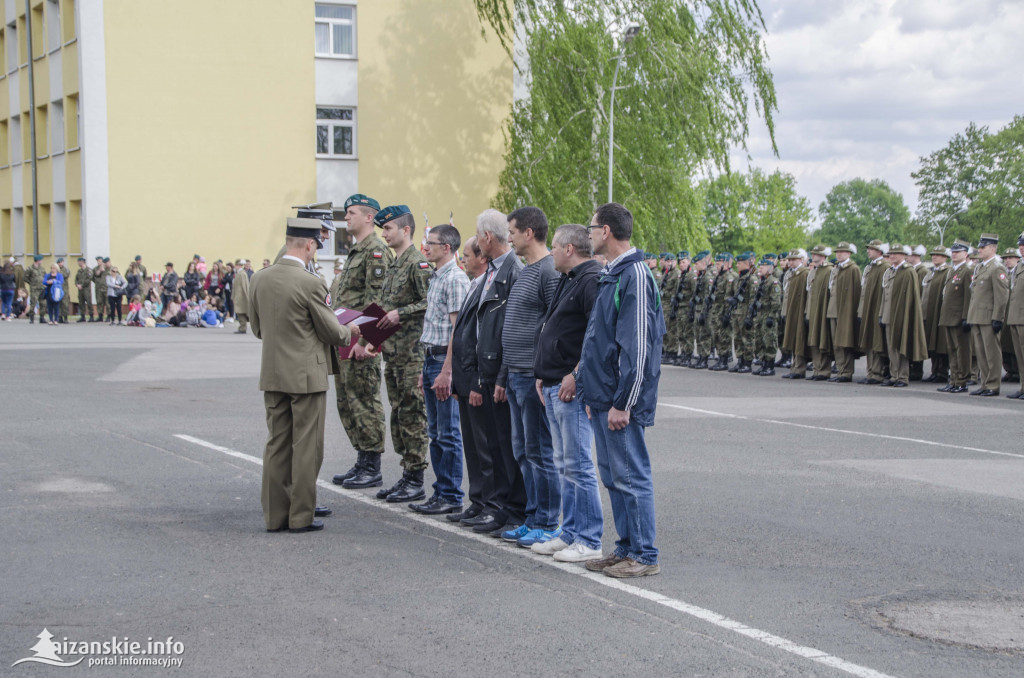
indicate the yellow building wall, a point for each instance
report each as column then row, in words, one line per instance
column 210, row 114
column 433, row 96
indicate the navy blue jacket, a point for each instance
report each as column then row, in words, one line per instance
column 621, row 361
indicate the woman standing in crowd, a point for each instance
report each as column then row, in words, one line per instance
column 214, row 284
column 7, row 286
column 193, row 281
column 54, row 282
column 229, row 284
column 116, row 285
column 134, row 279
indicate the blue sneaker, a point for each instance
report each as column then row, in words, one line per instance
column 538, row 537
column 515, row 533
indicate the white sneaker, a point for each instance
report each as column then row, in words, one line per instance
column 549, row 547
column 578, row 553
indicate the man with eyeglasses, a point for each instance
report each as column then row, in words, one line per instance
column 446, row 293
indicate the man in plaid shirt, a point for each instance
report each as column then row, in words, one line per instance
column 448, row 288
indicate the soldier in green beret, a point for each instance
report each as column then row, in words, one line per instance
column 744, row 289
column 99, row 278
column 682, row 324
column 65, row 301
column 699, row 305
column 669, row 285
column 34, row 277
column 83, row 283
column 763, row 317
column 721, row 314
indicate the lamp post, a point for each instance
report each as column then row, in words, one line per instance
column 631, row 32
column 942, row 229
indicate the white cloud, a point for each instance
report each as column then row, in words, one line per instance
column 867, row 87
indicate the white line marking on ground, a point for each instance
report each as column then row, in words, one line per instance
column 692, row 610
column 840, row 430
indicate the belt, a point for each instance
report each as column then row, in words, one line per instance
column 435, row 350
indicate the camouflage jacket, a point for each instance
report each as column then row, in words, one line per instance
column 361, row 282
column 405, row 290
column 34, row 276
column 83, row 277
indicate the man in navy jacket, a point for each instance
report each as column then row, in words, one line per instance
column 619, row 371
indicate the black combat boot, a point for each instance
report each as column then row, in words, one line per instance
column 720, row 366
column 666, row 358
column 743, row 367
column 409, row 488
column 767, row 369
column 368, row 475
column 787, row 360
column 356, row 467
column 737, row 366
column 916, row 370
column 32, row 319
column 702, row 364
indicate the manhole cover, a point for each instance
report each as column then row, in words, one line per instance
column 989, row 624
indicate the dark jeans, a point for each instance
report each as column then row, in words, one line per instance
column 52, row 310
column 445, row 437
column 115, row 307
column 6, row 296
column 477, row 452
column 531, row 444
column 509, row 498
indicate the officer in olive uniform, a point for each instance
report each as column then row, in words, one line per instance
column 698, row 308
column 1015, row 316
column 956, row 299
column 682, row 324
column 357, row 383
column 1011, row 257
column 290, row 311
column 931, row 304
column 744, row 289
column 404, row 297
column 721, row 313
column 990, row 291
column 83, row 283
column 34, row 277
column 763, row 316
column 65, row 301
column 669, row 285
column 99, row 278
column 240, row 296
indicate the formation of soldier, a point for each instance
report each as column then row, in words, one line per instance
column 818, row 312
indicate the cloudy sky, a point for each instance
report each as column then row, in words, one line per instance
column 867, row 87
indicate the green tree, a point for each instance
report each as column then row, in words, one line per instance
column 755, row 211
column 685, row 90
column 858, row 211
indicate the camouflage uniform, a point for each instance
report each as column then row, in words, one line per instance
column 34, row 276
column 84, row 278
column 766, row 320
column 744, row 290
column 704, row 298
column 405, row 289
column 357, row 384
column 99, row 276
column 721, row 316
column 684, row 321
column 65, row 301
column 669, row 284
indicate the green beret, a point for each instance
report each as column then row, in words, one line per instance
column 743, row 256
column 138, row 257
column 390, row 214
column 766, row 261
column 683, row 254
column 106, row 260
column 60, row 260
column 700, row 255
column 364, row 200
column 668, row 256
column 81, row 259
column 37, row 257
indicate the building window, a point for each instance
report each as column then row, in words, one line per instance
column 335, row 132
column 11, row 38
column 15, row 140
column 335, row 30
column 57, row 127
column 53, row 33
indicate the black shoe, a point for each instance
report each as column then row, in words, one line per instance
column 945, row 389
column 436, row 506
column 720, row 366
column 767, row 369
column 385, row 491
column 490, row 525
column 977, row 391
column 472, row 512
column 844, row 380
column 888, row 382
column 818, row 377
column 368, row 476
column 278, row 529
column 899, row 384
column 1015, row 395
column 793, row 375
column 497, row 532
column 314, row 526
column 788, row 362
column 744, row 368
column 869, row 382
column 739, row 363
column 931, row 378
column 971, row 382
column 958, row 389
column 322, row 511
column 81, row 320
column 478, row 519
column 988, row 392
column 411, row 488
column 340, row 478
column 702, row 364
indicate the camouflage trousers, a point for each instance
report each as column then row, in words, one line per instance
column 357, row 387
column 408, row 411
column 84, row 309
column 721, row 336
column 672, row 327
column 37, row 301
column 704, row 337
column 766, row 341
column 744, row 339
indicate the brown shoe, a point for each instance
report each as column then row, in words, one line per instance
column 628, row 568
column 607, row 561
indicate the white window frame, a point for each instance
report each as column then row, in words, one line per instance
column 331, row 23
column 331, row 123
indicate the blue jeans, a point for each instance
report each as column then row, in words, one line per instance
column 52, row 310
column 6, row 296
column 625, row 469
column 531, row 445
column 445, row 434
column 582, row 519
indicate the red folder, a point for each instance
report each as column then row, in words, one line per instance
column 367, row 320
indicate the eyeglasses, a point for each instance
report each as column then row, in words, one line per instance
column 431, row 244
column 593, row 226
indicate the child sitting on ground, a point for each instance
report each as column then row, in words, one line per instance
column 134, row 306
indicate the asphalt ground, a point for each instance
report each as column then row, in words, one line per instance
column 805, row 529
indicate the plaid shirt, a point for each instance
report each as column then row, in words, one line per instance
column 448, row 289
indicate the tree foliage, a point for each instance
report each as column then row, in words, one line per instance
column 980, row 175
column 685, row 90
column 755, row 211
column 859, row 211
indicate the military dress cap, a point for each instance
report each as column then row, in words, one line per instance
column 82, row 259
column 304, row 228
column 820, row 250
column 940, row 251
column 363, row 200
column 919, row 250
column 668, row 256
column 988, row 239
column 720, row 257
column 876, row 244
column 683, row 254
column 744, row 256
column 700, row 255
column 106, row 260
column 1010, row 252
column 138, row 257
column 37, row 257
column 960, row 246
column 324, row 211
column 391, row 213
column 799, row 253
column 897, row 248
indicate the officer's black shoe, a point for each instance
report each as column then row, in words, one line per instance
column 436, row 506
column 368, row 475
column 314, row 526
column 945, row 389
column 786, row 362
column 958, row 389
column 472, row 512
column 1014, row 395
column 819, row 377
column 899, row 384
column 843, row 380
column 987, row 392
column 321, row 511
column 478, row 519
column 702, row 364
column 971, row 382
column 492, row 523
column 768, row 369
column 793, row 375
column 340, row 478
column 411, row 488
column 888, row 382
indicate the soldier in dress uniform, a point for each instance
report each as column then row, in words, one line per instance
column 291, row 312
column 956, row 297
column 990, row 290
column 83, row 283
column 763, row 317
column 721, row 312
column 872, row 339
column 744, row 289
column 794, row 295
column 920, row 270
column 240, row 296
column 818, row 340
column 1015, row 316
column 404, row 297
column 900, row 316
column 844, row 290
column 696, row 313
column 682, row 324
column 931, row 306
column 1011, row 257
column 357, row 383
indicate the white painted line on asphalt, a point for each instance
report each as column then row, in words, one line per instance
column 700, row 613
column 934, row 443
